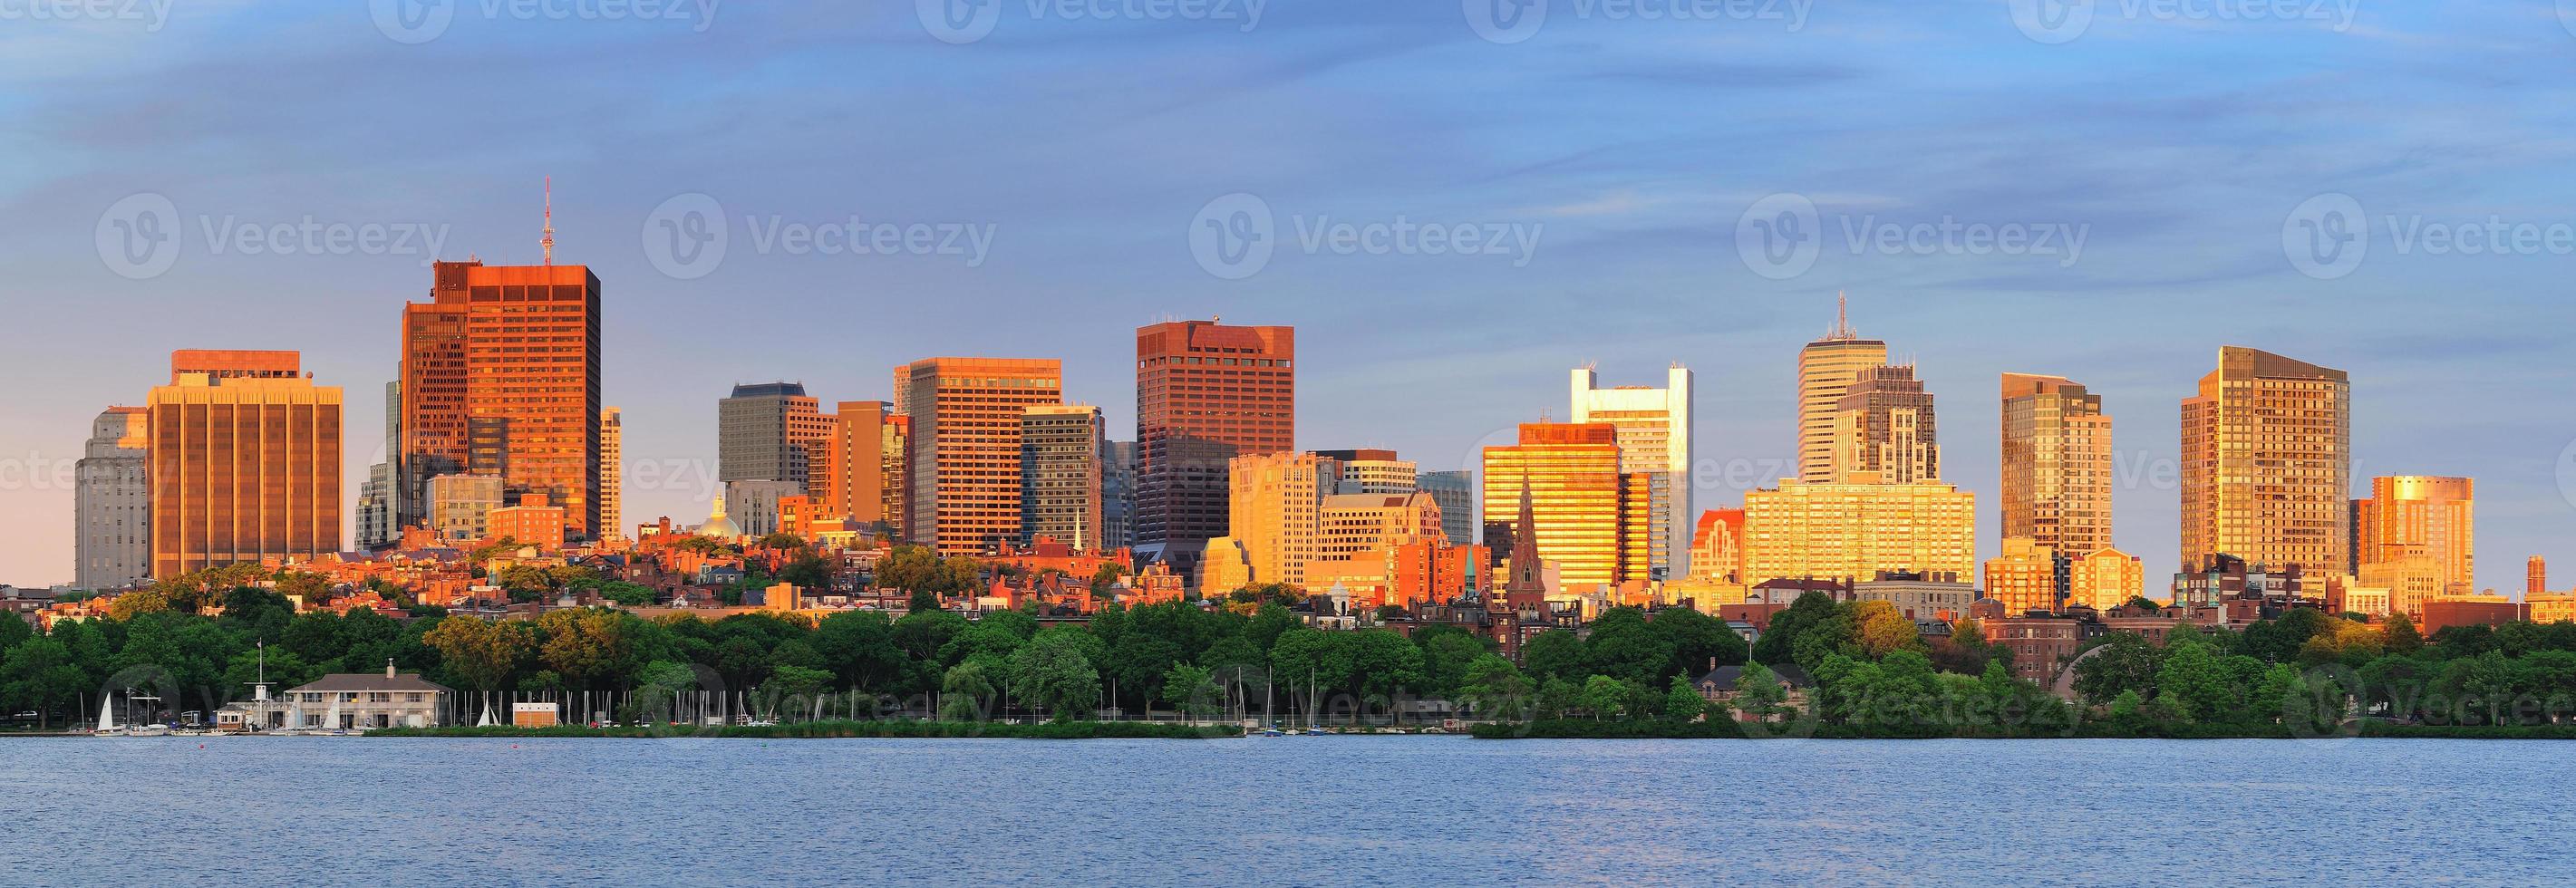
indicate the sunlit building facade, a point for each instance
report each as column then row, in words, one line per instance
column 500, row 376
column 1885, row 426
column 2057, row 468
column 612, row 474
column 1854, row 531
column 1205, row 393
column 2407, row 512
column 2267, row 463
column 1654, row 432
column 1826, row 370
column 1593, row 522
column 245, row 468
column 965, row 447
column 1060, row 477
column 2107, row 579
column 2028, row 577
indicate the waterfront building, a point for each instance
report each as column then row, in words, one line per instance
column 1826, row 370
column 500, row 376
column 1593, row 521
column 112, row 502
column 965, row 416
column 2057, row 469
column 1060, row 475
column 365, row 700
column 2405, row 512
column 1856, row 530
column 1205, row 393
column 2267, row 463
column 1654, row 437
column 244, row 463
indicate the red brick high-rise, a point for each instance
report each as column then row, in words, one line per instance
column 1205, row 393
column 500, row 376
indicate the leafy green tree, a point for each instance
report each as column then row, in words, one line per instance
column 2400, row 637
column 1606, row 697
column 1556, row 653
column 1557, row 697
column 1191, row 690
column 1496, row 688
column 1682, row 703
column 481, row 653
column 2126, row 661
column 794, row 689
column 1699, row 642
column 1778, row 643
column 1758, row 693
column 1053, row 673
column 1621, row 645
column 2194, row 681
column 39, row 673
column 963, row 693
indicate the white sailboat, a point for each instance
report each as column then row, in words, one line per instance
column 486, row 721
column 331, row 722
column 294, row 720
column 107, row 718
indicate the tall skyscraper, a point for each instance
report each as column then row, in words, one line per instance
column 771, row 431
column 245, row 463
column 1277, row 500
column 2405, row 512
column 965, row 447
column 1884, row 428
column 378, row 498
column 2267, row 464
column 1857, row 531
column 112, row 502
column 612, row 474
column 1118, row 496
column 1590, row 517
column 500, row 376
column 863, row 475
column 2056, row 464
column 2535, row 576
column 1205, row 393
column 1456, row 494
column 1370, row 470
column 1060, row 475
column 1826, row 370
column 1654, row 426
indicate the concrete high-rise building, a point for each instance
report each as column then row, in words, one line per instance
column 245, row 467
column 2405, row 512
column 770, row 431
column 112, row 502
column 1205, row 393
column 1360, row 525
column 500, row 376
column 1654, row 426
column 1118, row 495
column 379, row 498
column 965, row 447
column 753, row 505
column 460, row 508
column 863, row 472
column 1277, row 501
column 1826, row 370
column 2056, row 464
column 1591, row 518
column 1060, row 475
column 1856, row 531
column 1456, row 494
column 2535, row 576
column 612, row 474
column 1884, row 426
column 1717, row 547
column 1369, row 470
column 2267, row 464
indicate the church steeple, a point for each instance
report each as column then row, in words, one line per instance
column 1526, row 588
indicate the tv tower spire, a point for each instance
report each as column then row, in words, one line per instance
column 1842, row 319
column 548, row 242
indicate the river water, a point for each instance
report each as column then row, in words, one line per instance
column 1282, row 811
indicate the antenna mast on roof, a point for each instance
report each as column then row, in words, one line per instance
column 1842, row 319
column 548, row 242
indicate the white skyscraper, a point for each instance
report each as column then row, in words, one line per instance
column 112, row 498
column 1654, row 437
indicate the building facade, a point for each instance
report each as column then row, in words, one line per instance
column 1277, row 500
column 1654, row 432
column 2029, row 577
column 112, row 502
column 1118, row 495
column 1856, row 531
column 2267, row 463
column 612, row 474
column 1060, row 476
column 1372, row 470
column 500, row 376
column 1456, row 494
column 771, row 431
column 244, row 467
column 1885, row 426
column 460, row 507
column 965, row 416
column 2409, row 512
column 1826, row 370
column 2108, row 578
column 1205, row 393
column 1592, row 520
column 2056, row 474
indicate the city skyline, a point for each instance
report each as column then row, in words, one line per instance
column 1637, row 267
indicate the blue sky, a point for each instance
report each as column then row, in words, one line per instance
column 1611, row 156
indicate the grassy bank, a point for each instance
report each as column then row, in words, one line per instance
column 1585, row 729
column 850, row 729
